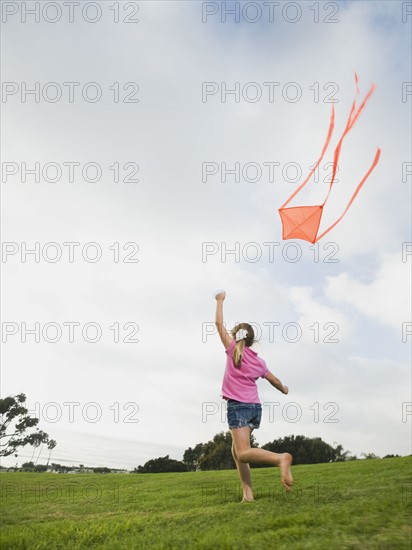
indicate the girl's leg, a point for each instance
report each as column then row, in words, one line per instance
column 244, row 453
column 244, row 473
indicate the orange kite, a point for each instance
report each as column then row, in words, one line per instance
column 302, row 222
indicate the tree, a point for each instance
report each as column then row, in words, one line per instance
column 27, row 467
column 307, row 450
column 59, row 468
column 217, row 453
column 161, row 465
column 16, row 420
column 40, row 468
column 50, row 446
column 191, row 457
column 369, row 455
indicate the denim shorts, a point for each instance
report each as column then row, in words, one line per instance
column 243, row 414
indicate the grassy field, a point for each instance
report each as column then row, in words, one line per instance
column 357, row 505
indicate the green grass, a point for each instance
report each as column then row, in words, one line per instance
column 356, row 505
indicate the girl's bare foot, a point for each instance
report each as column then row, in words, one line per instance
column 247, row 495
column 285, row 472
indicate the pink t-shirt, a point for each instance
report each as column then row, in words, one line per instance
column 240, row 383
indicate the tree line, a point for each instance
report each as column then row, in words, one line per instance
column 16, row 425
column 216, row 454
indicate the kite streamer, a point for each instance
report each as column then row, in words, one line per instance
column 302, row 222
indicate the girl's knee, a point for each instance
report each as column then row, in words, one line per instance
column 242, row 456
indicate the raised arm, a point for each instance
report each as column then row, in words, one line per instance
column 223, row 333
column 276, row 383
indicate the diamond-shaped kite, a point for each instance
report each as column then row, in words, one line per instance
column 302, row 222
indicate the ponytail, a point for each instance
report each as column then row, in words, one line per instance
column 238, row 352
column 240, row 344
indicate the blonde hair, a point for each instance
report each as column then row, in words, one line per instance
column 240, row 346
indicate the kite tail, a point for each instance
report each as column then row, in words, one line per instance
column 350, row 122
column 353, row 116
column 375, row 162
column 331, row 125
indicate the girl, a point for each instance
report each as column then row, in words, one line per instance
column 244, row 411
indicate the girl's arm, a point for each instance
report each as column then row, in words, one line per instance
column 276, row 383
column 223, row 333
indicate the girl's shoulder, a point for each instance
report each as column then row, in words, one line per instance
column 252, row 351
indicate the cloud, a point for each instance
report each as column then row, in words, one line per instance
column 386, row 299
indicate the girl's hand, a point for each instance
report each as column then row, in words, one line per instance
column 285, row 390
column 220, row 295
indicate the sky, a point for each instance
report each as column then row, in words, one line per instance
column 145, row 170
